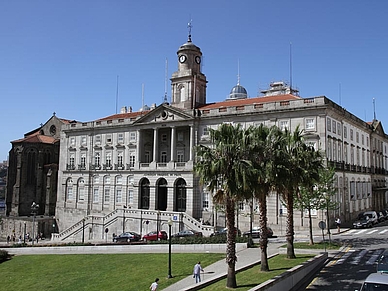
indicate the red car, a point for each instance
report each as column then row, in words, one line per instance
column 153, row 235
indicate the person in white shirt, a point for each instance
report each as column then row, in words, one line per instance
column 154, row 285
column 338, row 222
column 197, row 272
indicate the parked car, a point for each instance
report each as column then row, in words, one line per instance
column 385, row 213
column 256, row 231
column 187, row 233
column 224, row 231
column 363, row 222
column 382, row 262
column 375, row 281
column 153, row 235
column 129, row 236
column 380, row 216
column 372, row 216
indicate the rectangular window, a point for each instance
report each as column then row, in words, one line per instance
column 163, row 156
column 120, row 159
column 108, row 160
column 328, row 124
column 147, row 157
column 205, row 200
column 109, row 139
column 130, row 196
column 70, row 193
column 362, row 139
column 120, row 138
column 83, row 161
column 180, row 136
column 346, row 154
column 119, row 180
column 357, row 137
column 107, row 195
column 97, row 139
column 351, row 134
column 345, row 132
column 310, row 124
column 95, row 194
column 119, row 197
column 206, row 131
column 72, row 141
column 83, row 141
column 81, row 195
column 164, row 137
column 132, row 136
column 106, row 180
column 96, row 179
column 334, row 127
column 283, row 125
column 339, row 128
column 180, row 156
column 132, row 159
column 71, row 161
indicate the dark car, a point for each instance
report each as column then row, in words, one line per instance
column 363, row 222
column 256, row 231
column 129, row 236
column 224, row 231
column 380, row 216
column 153, row 235
column 187, row 233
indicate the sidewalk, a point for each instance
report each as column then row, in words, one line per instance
column 246, row 258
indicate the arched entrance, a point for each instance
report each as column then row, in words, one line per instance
column 161, row 194
column 144, row 194
column 180, row 195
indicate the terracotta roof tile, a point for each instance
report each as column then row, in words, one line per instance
column 37, row 138
column 124, row 115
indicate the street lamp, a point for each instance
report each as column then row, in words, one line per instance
column 34, row 209
column 83, row 230
column 124, row 207
column 169, row 248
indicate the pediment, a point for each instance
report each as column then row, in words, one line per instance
column 164, row 113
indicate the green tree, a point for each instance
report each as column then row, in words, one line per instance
column 223, row 167
column 308, row 198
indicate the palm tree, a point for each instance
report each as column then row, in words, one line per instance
column 224, row 169
column 263, row 152
column 292, row 171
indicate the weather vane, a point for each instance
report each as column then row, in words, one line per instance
column 189, row 26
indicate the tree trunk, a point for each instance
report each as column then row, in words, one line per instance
column 311, row 228
column 231, row 244
column 290, row 227
column 264, row 233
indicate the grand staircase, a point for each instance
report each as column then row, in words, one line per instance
column 96, row 228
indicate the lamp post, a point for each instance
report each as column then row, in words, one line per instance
column 169, row 248
column 124, row 207
column 83, row 230
column 34, row 209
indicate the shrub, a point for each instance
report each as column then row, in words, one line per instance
column 4, row 255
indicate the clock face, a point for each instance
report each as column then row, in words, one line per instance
column 182, row 58
column 198, row 59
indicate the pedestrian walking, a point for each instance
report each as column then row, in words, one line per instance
column 197, row 272
column 338, row 223
column 154, row 285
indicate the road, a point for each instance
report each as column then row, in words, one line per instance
column 350, row 268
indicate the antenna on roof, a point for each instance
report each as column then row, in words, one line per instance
column 374, row 109
column 238, row 71
column 142, row 97
column 165, row 83
column 339, row 93
column 190, row 26
column 290, row 67
column 117, row 92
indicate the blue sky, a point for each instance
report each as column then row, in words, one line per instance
column 65, row 56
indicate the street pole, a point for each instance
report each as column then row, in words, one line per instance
column 169, row 248
column 83, row 230
column 124, row 207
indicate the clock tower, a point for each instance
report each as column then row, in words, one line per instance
column 188, row 83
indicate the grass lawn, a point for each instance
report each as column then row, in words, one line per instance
column 98, row 271
column 253, row 276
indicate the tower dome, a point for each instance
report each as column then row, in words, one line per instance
column 237, row 92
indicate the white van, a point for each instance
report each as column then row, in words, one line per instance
column 372, row 216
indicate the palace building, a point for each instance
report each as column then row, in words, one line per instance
column 134, row 170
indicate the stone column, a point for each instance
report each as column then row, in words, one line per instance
column 155, row 149
column 173, row 133
column 191, row 142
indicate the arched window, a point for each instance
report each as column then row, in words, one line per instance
column 180, row 194
column 145, row 194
